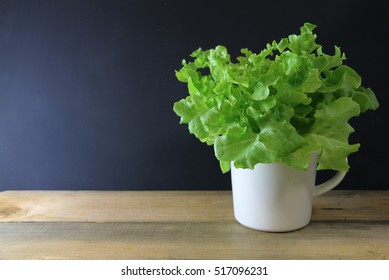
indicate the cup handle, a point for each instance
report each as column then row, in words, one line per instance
column 330, row 184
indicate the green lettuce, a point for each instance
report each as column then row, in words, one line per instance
column 279, row 105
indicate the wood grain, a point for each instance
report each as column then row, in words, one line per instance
column 163, row 206
column 185, row 240
column 116, row 206
column 183, row 225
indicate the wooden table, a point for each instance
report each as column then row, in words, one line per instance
column 183, row 225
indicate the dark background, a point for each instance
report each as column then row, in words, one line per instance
column 87, row 87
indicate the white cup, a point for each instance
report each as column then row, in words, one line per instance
column 275, row 197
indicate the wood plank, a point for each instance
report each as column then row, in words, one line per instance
column 170, row 206
column 352, row 206
column 115, row 206
column 205, row 240
column 183, row 225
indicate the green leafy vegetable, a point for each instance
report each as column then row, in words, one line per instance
column 279, row 105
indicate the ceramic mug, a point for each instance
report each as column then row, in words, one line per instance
column 275, row 197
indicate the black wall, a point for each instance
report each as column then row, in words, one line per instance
column 87, row 87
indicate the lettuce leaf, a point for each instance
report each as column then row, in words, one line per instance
column 279, row 105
